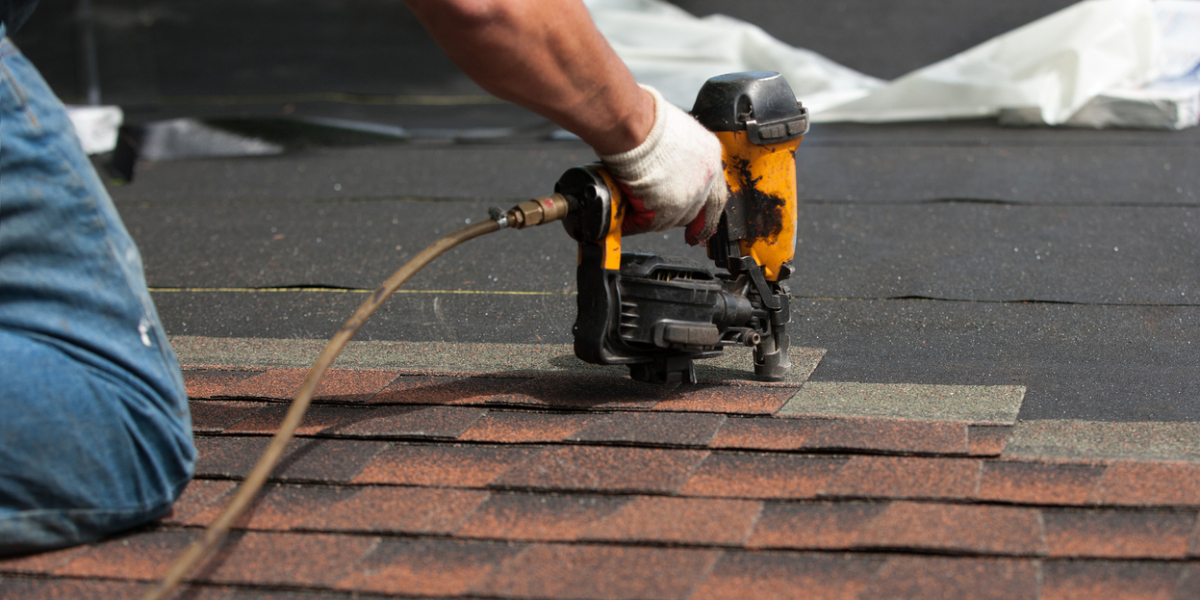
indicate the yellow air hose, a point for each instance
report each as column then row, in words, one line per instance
column 533, row 212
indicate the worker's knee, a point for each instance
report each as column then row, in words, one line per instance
column 86, row 453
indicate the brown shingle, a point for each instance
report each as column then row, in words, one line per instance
column 611, row 572
column 446, row 422
column 326, row 461
column 906, row 477
column 1039, row 483
column 888, row 435
column 210, row 383
column 310, row 559
column 764, row 434
column 306, row 459
column 583, row 392
column 197, row 497
column 813, row 525
column 539, row 517
column 744, row 475
column 517, row 426
column 43, row 562
column 1080, row 580
column 280, row 507
column 442, row 464
column 345, row 385
column 316, row 419
column 587, row 468
column 700, row 521
column 69, row 589
column 214, row 416
column 428, row 567
column 400, row 510
column 726, row 399
column 142, row 556
column 1149, row 484
column 665, row 429
column 988, row 440
column 424, row 389
column 956, row 528
column 787, row 576
column 925, row 577
column 1118, row 533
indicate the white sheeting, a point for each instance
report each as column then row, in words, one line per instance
column 96, row 126
column 1098, row 63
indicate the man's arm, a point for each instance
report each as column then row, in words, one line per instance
column 547, row 56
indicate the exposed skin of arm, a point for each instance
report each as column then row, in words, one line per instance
column 547, row 56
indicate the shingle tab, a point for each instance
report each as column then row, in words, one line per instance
column 1039, row 483
column 1092, row 440
column 813, row 525
column 539, row 517
column 523, row 426
column 1131, row 534
column 344, row 385
column 582, row 392
column 745, row 475
column 316, row 419
column 1079, row 580
column 428, row 567
column 698, row 521
column 140, row 557
column 665, row 429
column 270, row 558
column 215, row 416
column 970, row 404
column 726, row 399
column 1148, row 484
column 396, row 422
column 425, row 389
column 615, row 572
column 592, row 468
column 442, row 465
column 954, row 528
column 906, row 477
column 764, row 434
column 923, row 577
column 787, row 576
column 196, row 498
column 70, row 589
column 210, row 383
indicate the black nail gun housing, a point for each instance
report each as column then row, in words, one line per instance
column 657, row 314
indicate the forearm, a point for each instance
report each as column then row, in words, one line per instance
column 547, row 56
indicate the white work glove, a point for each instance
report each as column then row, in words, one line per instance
column 674, row 178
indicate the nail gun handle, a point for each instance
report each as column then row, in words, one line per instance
column 596, row 210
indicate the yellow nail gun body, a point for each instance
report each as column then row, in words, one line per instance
column 656, row 313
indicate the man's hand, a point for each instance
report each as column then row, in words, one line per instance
column 674, row 177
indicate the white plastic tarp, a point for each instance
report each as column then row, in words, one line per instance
column 1097, row 63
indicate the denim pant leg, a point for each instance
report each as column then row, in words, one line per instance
column 95, row 435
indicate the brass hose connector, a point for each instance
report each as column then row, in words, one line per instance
column 537, row 212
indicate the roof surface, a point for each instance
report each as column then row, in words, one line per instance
column 996, row 334
column 526, row 474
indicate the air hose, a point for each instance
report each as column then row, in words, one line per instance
column 533, row 212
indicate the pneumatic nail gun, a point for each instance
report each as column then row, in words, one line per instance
column 657, row 314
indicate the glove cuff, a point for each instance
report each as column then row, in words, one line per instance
column 675, row 169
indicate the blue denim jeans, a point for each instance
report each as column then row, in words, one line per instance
column 95, row 435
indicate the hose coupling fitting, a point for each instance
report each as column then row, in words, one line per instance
column 536, row 212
